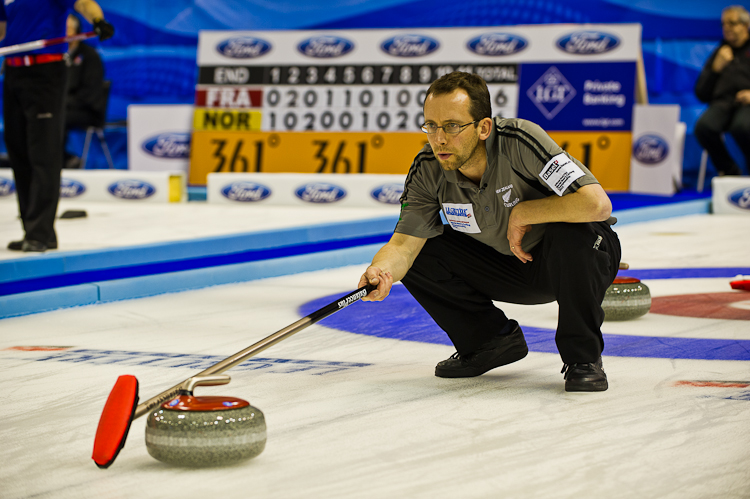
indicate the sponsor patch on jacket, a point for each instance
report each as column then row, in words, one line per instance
column 560, row 172
column 461, row 217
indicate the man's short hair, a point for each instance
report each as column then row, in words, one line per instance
column 742, row 13
column 479, row 97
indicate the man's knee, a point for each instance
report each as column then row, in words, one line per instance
column 740, row 129
column 706, row 128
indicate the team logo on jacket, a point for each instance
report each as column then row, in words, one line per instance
column 317, row 192
column 246, row 192
column 506, row 192
column 131, row 189
column 7, row 186
column 650, row 149
column 71, row 188
column 409, row 45
column 740, row 198
column 388, row 193
column 243, row 47
column 551, row 92
column 588, row 42
column 171, row 145
column 325, row 46
column 495, row 44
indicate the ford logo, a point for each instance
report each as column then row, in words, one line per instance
column 168, row 145
column 243, row 47
column 650, row 149
column 7, row 186
column 409, row 45
column 588, row 42
column 325, row 46
column 494, row 44
column 317, row 192
column 388, row 193
column 246, row 192
column 131, row 189
column 741, row 198
column 71, row 188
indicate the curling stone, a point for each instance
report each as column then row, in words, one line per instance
column 205, row 431
column 625, row 299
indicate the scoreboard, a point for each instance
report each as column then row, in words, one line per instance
column 351, row 100
column 383, row 98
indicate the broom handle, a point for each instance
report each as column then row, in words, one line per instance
column 258, row 347
column 40, row 44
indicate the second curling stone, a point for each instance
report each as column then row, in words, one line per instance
column 205, row 431
column 626, row 298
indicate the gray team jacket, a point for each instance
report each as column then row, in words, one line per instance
column 523, row 163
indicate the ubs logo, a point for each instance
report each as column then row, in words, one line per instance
column 71, row 188
column 495, row 44
column 588, row 42
column 7, row 186
column 246, row 192
column 551, row 92
column 317, row 192
column 388, row 193
column 409, row 45
column 243, row 47
column 168, row 145
column 650, row 149
column 740, row 198
column 325, row 46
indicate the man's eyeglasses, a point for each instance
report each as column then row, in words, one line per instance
column 448, row 128
column 731, row 23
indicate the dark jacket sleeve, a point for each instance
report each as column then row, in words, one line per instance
column 704, row 87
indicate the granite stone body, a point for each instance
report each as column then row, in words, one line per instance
column 626, row 298
column 205, row 431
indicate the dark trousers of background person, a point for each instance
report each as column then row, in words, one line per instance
column 78, row 119
column 724, row 117
column 455, row 278
column 34, row 109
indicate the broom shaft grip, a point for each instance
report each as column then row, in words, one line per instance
column 258, row 347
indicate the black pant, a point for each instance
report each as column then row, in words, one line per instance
column 724, row 117
column 455, row 278
column 34, row 104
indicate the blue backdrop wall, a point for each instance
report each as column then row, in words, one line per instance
column 152, row 57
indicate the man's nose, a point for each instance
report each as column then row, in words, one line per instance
column 441, row 136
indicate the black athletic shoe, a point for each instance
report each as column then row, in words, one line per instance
column 18, row 245
column 501, row 350
column 33, row 246
column 585, row 377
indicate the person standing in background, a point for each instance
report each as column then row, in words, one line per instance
column 34, row 108
column 86, row 101
column 724, row 83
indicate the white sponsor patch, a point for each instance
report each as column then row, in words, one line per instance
column 560, row 172
column 461, row 217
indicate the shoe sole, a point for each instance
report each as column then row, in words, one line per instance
column 596, row 386
column 504, row 360
column 19, row 247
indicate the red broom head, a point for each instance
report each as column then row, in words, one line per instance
column 115, row 421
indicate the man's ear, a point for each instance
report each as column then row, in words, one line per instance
column 485, row 127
